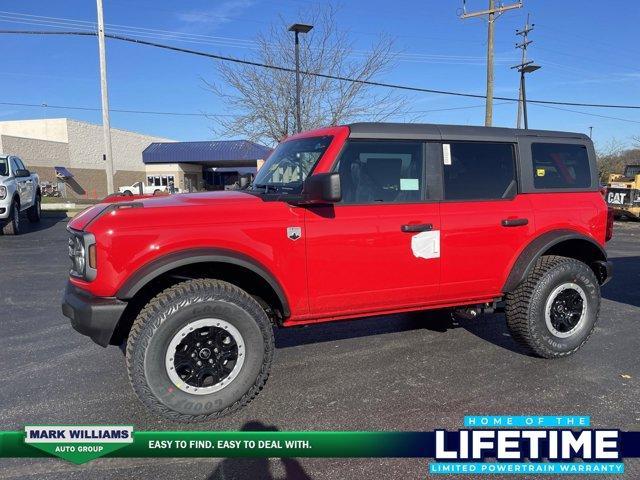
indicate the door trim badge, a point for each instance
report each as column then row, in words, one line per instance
column 294, row 233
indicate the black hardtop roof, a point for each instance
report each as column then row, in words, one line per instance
column 431, row 131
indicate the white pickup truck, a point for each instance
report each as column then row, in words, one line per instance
column 19, row 192
column 146, row 189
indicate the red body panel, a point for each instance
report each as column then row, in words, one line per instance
column 352, row 260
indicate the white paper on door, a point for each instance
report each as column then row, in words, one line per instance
column 426, row 244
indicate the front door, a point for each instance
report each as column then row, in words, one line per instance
column 378, row 248
column 22, row 183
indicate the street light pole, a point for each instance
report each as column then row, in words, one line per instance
column 106, row 125
column 523, row 68
column 524, row 100
column 298, row 28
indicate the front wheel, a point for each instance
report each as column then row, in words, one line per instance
column 12, row 227
column 554, row 310
column 199, row 350
column 35, row 210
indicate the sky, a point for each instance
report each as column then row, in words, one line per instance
column 588, row 54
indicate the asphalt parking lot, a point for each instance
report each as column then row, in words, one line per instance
column 387, row 373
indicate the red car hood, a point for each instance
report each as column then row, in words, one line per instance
column 80, row 221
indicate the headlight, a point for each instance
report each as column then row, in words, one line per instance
column 3, row 192
column 82, row 252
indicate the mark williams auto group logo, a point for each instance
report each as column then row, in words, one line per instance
column 527, row 445
column 78, row 444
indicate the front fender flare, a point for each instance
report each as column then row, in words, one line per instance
column 155, row 268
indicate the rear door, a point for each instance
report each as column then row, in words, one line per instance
column 485, row 221
column 362, row 255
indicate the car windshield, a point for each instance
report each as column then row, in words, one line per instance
column 4, row 166
column 287, row 167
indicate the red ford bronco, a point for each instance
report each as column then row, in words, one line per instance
column 342, row 222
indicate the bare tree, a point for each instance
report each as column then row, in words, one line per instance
column 263, row 100
column 616, row 155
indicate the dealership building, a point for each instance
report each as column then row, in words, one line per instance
column 76, row 149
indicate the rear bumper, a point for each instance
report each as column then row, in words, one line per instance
column 95, row 317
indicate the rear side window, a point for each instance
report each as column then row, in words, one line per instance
column 560, row 165
column 479, row 171
column 381, row 172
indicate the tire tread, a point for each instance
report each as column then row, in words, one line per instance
column 519, row 300
column 151, row 312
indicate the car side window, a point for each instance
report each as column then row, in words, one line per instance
column 381, row 172
column 560, row 165
column 479, row 171
column 14, row 165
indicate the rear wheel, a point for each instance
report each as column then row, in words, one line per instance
column 12, row 227
column 199, row 350
column 128, row 193
column 34, row 211
column 554, row 310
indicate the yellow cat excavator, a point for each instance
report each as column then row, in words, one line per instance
column 623, row 192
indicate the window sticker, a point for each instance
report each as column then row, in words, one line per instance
column 409, row 184
column 540, row 172
column 446, row 153
column 426, row 244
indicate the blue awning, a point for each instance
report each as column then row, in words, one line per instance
column 63, row 173
column 226, row 153
column 238, row 170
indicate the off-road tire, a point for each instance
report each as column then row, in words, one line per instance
column 526, row 305
column 33, row 212
column 170, row 311
column 12, row 225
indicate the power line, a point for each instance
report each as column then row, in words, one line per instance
column 200, row 114
column 152, row 33
column 589, row 114
column 316, row 74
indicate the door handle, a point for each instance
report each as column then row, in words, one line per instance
column 417, row 227
column 515, row 222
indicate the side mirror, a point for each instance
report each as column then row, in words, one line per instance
column 22, row 172
column 322, row 188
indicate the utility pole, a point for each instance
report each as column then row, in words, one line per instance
column 525, row 66
column 590, row 132
column 493, row 13
column 106, row 125
column 525, row 43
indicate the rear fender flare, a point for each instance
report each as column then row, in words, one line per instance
column 537, row 247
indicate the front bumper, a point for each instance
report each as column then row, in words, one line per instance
column 95, row 317
column 5, row 208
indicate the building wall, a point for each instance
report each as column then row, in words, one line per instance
column 36, row 152
column 88, row 183
column 178, row 170
column 51, row 129
column 86, row 146
column 78, row 146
